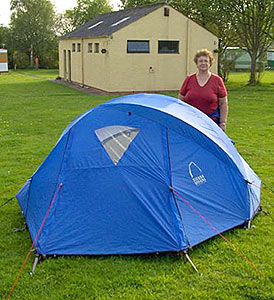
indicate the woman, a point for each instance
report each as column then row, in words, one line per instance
column 205, row 90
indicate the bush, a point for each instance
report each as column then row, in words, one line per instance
column 20, row 59
column 49, row 60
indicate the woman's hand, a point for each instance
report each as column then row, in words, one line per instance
column 223, row 105
column 181, row 97
column 222, row 125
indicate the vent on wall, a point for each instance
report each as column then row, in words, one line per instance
column 166, row 11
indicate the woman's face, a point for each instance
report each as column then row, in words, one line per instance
column 203, row 63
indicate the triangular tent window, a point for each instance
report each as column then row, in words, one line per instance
column 116, row 140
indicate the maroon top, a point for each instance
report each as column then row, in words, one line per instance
column 205, row 98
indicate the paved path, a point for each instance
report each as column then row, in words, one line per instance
column 88, row 90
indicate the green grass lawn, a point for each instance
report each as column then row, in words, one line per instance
column 33, row 114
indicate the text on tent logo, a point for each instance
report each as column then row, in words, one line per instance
column 196, row 173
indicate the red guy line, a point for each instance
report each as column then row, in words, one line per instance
column 234, row 248
column 34, row 242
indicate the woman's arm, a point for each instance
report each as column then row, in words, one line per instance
column 223, row 106
column 181, row 97
column 183, row 89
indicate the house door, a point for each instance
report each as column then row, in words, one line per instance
column 69, row 65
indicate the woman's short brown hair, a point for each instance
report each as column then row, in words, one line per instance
column 204, row 52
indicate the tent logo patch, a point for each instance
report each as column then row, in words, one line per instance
column 196, row 173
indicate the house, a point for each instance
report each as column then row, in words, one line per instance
column 146, row 48
column 270, row 58
column 242, row 60
column 3, row 61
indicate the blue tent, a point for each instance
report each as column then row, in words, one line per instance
column 118, row 166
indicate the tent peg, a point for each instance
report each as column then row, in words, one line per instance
column 190, row 261
column 247, row 224
column 35, row 262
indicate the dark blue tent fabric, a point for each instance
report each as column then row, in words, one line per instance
column 117, row 164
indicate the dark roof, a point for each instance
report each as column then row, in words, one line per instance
column 105, row 22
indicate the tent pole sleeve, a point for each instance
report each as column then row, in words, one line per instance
column 170, row 176
column 30, row 180
column 171, row 186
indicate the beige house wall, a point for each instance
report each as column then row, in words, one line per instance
column 117, row 70
column 204, row 39
column 96, row 65
column 149, row 71
column 61, row 47
column 76, row 60
column 86, row 68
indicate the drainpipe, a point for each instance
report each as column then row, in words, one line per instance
column 82, row 62
column 187, row 46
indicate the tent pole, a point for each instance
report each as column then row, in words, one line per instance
column 191, row 262
column 35, row 262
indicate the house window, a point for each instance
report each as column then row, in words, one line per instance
column 89, row 47
column 166, row 11
column 96, row 48
column 168, row 46
column 78, row 47
column 137, row 46
column 73, row 47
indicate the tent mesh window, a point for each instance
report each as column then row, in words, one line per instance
column 116, row 140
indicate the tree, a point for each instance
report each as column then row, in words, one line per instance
column 20, row 60
column 86, row 10
column 4, row 36
column 245, row 23
column 32, row 27
column 253, row 22
column 63, row 24
column 228, row 60
column 135, row 3
column 212, row 16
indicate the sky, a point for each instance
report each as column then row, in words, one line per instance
column 61, row 6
